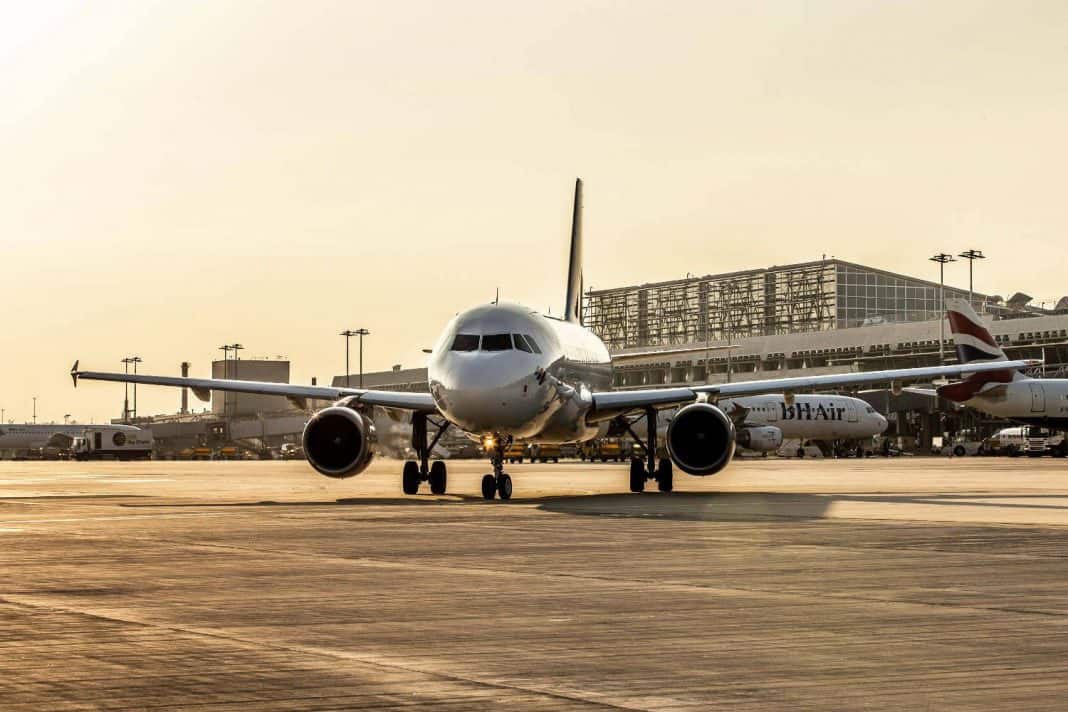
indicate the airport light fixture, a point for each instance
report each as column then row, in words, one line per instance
column 971, row 256
column 126, row 397
column 348, row 334
column 237, row 357
column 35, row 410
column 942, row 258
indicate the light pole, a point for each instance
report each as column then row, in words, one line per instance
column 942, row 258
column 349, row 333
column 35, row 410
column 237, row 357
column 971, row 256
column 225, row 348
column 126, row 397
column 135, row 360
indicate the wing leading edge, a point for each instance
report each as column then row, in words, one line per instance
column 609, row 404
column 202, row 388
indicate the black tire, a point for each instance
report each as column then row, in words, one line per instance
column 489, row 487
column 664, row 476
column 637, row 475
column 439, row 477
column 959, row 451
column 556, row 459
column 504, row 486
column 410, row 477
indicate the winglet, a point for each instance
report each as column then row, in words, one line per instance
column 573, row 307
column 74, row 374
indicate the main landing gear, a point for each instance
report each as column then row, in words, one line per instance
column 415, row 473
column 648, row 469
column 499, row 483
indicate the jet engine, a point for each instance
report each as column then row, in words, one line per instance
column 762, row 438
column 338, row 441
column 700, row 439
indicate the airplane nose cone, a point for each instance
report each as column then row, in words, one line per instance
column 882, row 422
column 492, row 393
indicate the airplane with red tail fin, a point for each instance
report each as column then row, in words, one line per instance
column 1007, row 393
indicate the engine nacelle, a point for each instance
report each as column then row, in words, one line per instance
column 762, row 438
column 338, row 441
column 700, row 439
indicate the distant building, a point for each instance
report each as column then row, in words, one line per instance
column 811, row 296
column 241, row 404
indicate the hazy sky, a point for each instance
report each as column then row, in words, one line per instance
column 175, row 176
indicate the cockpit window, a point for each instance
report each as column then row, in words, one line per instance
column 521, row 343
column 465, row 342
column 533, row 343
column 870, row 409
column 496, row 342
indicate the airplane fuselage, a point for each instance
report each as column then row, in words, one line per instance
column 1032, row 401
column 811, row 417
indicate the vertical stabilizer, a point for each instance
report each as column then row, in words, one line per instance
column 972, row 339
column 573, row 305
column 974, row 342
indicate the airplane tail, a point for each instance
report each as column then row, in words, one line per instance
column 973, row 340
column 974, row 344
column 573, row 308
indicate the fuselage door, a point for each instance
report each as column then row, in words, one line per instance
column 851, row 412
column 772, row 412
column 1038, row 397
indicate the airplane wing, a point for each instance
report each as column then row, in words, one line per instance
column 298, row 395
column 609, row 404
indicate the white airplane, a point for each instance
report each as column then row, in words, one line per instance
column 1005, row 393
column 503, row 371
column 763, row 422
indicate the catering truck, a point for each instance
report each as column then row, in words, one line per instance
column 112, row 444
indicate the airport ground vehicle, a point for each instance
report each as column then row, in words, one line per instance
column 544, row 452
column 605, row 449
column 1021, row 440
column 112, row 444
column 516, row 452
column 291, row 451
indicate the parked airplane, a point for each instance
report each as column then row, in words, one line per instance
column 763, row 422
column 503, row 371
column 1006, row 393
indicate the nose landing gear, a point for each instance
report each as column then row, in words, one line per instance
column 415, row 473
column 499, row 483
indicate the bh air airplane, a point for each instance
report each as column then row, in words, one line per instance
column 500, row 372
column 1005, row 393
column 763, row 422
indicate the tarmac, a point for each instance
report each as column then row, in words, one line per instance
column 912, row 583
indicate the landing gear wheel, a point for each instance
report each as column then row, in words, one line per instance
column 959, row 451
column 438, row 477
column 637, row 475
column 504, row 486
column 664, row 476
column 410, row 479
column 489, row 487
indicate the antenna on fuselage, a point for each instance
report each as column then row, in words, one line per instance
column 573, row 303
column 497, row 297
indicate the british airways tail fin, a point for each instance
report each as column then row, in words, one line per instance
column 974, row 344
column 972, row 339
column 573, row 305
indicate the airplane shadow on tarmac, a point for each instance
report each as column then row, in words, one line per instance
column 683, row 506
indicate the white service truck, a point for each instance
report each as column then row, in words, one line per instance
column 112, row 444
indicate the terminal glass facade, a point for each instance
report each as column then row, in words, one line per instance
column 812, row 296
